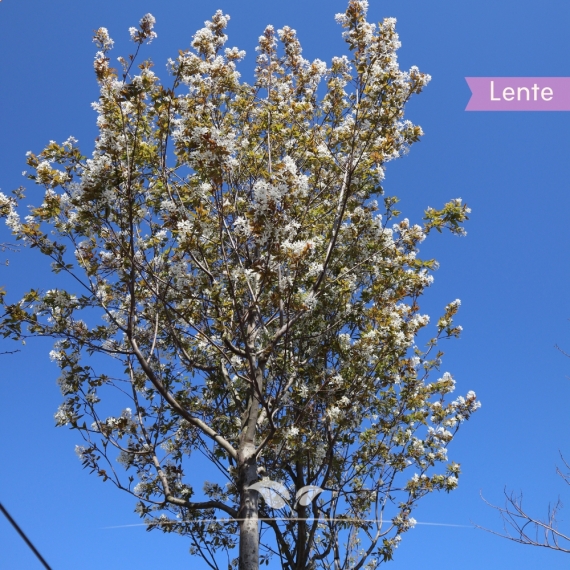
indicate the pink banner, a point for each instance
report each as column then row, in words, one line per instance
column 519, row 94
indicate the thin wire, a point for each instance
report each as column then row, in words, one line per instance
column 23, row 535
column 285, row 519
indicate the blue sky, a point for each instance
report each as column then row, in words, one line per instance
column 511, row 271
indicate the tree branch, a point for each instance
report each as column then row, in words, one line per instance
column 205, row 428
column 514, row 517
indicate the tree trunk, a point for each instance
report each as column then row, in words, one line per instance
column 248, row 526
column 301, row 524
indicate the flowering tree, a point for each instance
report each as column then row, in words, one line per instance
column 258, row 306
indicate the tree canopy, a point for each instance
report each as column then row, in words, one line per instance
column 239, row 267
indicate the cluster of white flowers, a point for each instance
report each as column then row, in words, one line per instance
column 301, row 246
column 101, row 61
column 292, row 431
column 385, row 234
column 102, row 39
column 12, row 219
column 417, row 478
column 425, row 279
column 234, row 54
column 439, row 434
column 458, row 202
column 344, row 341
column 315, row 268
column 56, row 355
column 96, row 169
column 141, row 488
column 185, row 229
column 322, row 149
column 180, row 273
column 447, row 383
column 209, row 39
column 470, row 402
column 441, row 454
column 302, row 390
column 417, row 446
column 344, row 401
column 4, row 200
column 109, row 260
column 404, row 523
column 309, row 300
column 80, row 451
column 59, row 299
column 267, row 194
column 418, row 321
column 334, row 413
column 168, row 206
column 451, row 482
column 242, row 227
column 146, row 30
column 64, row 414
column 341, row 18
column 125, row 458
column 407, row 232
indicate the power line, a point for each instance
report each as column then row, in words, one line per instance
column 23, row 535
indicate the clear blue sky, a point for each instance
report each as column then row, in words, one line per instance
column 511, row 272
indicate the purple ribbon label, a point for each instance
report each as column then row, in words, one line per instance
column 519, row 94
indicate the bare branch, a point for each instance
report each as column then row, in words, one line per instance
column 523, row 528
